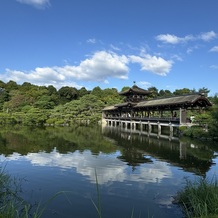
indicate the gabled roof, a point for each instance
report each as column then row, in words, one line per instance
column 176, row 101
column 135, row 90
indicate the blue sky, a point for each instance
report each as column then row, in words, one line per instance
column 169, row 44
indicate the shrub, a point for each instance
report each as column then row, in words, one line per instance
column 182, row 129
column 199, row 198
column 60, row 122
column 195, row 132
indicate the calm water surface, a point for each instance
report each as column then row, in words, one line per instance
column 135, row 173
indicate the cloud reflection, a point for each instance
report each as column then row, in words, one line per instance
column 108, row 167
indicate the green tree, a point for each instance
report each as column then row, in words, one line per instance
column 125, row 88
column 45, row 102
column 35, row 116
column 25, row 87
column 154, row 92
column 82, row 92
column 213, row 125
column 110, row 96
column 4, row 97
column 97, row 91
column 204, row 90
column 11, row 85
column 52, row 90
column 164, row 93
column 88, row 107
column 67, row 94
column 2, row 84
column 16, row 102
column 183, row 91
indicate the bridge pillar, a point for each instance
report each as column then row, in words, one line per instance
column 159, row 128
column 183, row 116
column 149, row 127
column 134, row 126
column 126, row 125
column 171, row 130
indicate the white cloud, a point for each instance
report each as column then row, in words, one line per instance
column 208, row 36
column 172, row 39
column 99, row 67
column 177, row 57
column 153, row 64
column 92, row 41
column 36, row 3
column 145, row 84
column 114, row 47
column 191, row 49
column 214, row 49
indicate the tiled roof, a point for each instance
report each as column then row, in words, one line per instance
column 135, row 89
column 176, row 100
column 170, row 102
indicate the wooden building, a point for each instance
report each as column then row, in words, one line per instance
column 139, row 109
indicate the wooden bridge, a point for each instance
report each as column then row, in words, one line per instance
column 153, row 115
column 149, row 126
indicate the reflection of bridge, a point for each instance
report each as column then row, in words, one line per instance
column 136, row 145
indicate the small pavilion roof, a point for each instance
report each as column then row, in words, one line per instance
column 176, row 101
column 135, row 90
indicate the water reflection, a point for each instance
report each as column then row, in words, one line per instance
column 192, row 156
column 132, row 168
column 53, row 147
column 109, row 169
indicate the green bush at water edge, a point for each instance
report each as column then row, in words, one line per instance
column 199, row 198
column 194, row 132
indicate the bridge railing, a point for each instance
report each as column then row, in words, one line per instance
column 146, row 119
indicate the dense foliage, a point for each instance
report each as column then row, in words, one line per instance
column 30, row 104
column 207, row 123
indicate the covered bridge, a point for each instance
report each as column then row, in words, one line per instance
column 137, row 107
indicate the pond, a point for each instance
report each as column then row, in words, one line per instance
column 67, row 170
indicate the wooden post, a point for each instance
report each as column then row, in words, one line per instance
column 159, row 128
column 134, row 126
column 149, row 127
column 171, row 130
column 183, row 116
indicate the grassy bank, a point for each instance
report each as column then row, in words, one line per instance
column 199, row 198
column 11, row 204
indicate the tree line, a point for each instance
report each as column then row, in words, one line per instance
column 31, row 104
